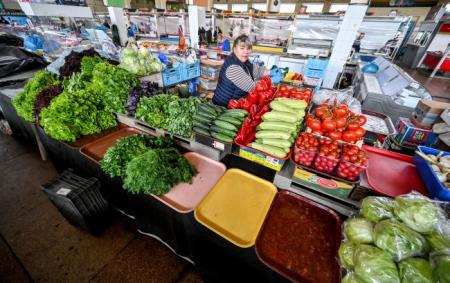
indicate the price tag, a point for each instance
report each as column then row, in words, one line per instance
column 63, row 191
column 218, row 145
column 271, row 160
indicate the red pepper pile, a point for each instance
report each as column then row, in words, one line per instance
column 295, row 93
column 261, row 95
column 336, row 122
column 256, row 104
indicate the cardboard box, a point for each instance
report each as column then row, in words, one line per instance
column 427, row 112
column 409, row 134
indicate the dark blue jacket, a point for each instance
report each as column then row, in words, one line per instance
column 226, row 89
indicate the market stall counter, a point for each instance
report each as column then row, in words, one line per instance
column 215, row 258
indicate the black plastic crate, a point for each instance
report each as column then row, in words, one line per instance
column 79, row 200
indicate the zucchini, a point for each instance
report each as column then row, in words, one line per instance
column 201, row 131
column 226, row 125
column 231, row 120
column 272, row 150
column 220, row 130
column 293, row 103
column 222, row 137
column 273, row 135
column 277, row 126
column 201, row 125
column 286, row 149
column 278, row 106
column 277, row 142
column 202, row 119
column 278, row 116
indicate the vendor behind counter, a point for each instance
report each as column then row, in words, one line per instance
column 237, row 75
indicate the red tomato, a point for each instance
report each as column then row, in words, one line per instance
column 260, row 87
column 340, row 111
column 353, row 126
column 360, row 132
column 361, row 119
column 314, row 124
column 320, row 112
column 340, row 122
column 308, row 91
column 328, row 125
column 283, row 87
column 293, row 90
column 334, row 135
column 327, row 116
column 349, row 136
column 317, row 132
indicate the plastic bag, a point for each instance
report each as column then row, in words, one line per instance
column 344, row 96
column 33, row 42
column 359, row 230
column 15, row 59
column 376, row 209
column 416, row 270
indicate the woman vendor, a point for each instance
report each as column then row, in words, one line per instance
column 237, row 75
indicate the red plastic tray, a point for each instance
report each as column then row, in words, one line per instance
column 300, row 239
column 392, row 173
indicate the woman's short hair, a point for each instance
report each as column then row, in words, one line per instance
column 243, row 39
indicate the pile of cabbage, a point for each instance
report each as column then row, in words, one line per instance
column 406, row 239
column 139, row 61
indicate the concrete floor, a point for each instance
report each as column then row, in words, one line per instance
column 38, row 244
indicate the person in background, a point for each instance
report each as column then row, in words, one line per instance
column 357, row 43
column 237, row 75
column 105, row 24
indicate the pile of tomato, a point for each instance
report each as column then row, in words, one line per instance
column 346, row 161
column 306, row 147
column 328, row 155
column 353, row 162
column 336, row 122
column 295, row 93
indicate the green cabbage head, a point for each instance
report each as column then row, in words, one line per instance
column 359, row 230
column 377, row 208
column 415, row 270
column 418, row 213
column 346, row 252
column 373, row 265
column 398, row 240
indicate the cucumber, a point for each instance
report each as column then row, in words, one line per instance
column 220, row 130
column 236, row 113
column 202, row 119
column 201, row 125
column 231, row 120
column 222, row 137
column 201, row 131
column 226, row 125
column 206, row 115
column 204, row 108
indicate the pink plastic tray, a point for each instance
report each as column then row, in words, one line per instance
column 184, row 198
column 392, row 173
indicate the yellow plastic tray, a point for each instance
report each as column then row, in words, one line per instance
column 236, row 207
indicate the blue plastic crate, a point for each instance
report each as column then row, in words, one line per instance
column 316, row 64
column 435, row 188
column 191, row 71
column 171, row 76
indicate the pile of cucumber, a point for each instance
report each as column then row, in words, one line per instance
column 276, row 134
column 218, row 122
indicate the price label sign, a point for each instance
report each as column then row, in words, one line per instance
column 271, row 160
column 218, row 145
column 63, row 191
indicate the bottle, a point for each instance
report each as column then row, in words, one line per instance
column 181, row 39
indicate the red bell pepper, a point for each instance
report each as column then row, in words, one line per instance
column 241, row 102
column 246, row 105
column 233, row 104
column 267, row 80
column 262, row 111
column 250, row 137
column 253, row 97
